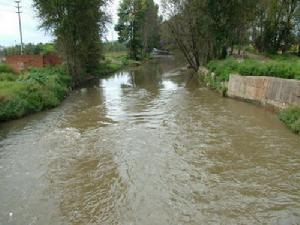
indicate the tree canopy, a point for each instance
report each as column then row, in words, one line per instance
column 138, row 26
column 207, row 29
column 77, row 26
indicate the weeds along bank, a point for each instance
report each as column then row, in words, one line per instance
column 115, row 61
column 281, row 67
column 31, row 91
column 291, row 117
column 216, row 76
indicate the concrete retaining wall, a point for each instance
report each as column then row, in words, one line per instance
column 270, row 91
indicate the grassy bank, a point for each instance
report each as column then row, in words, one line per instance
column 291, row 117
column 115, row 61
column 32, row 91
column 287, row 67
column 282, row 67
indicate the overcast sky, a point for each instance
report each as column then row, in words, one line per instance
column 9, row 27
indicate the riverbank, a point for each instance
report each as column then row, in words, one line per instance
column 32, row 91
column 114, row 61
column 259, row 82
column 44, row 88
column 277, row 66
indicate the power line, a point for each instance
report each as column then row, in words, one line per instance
column 20, row 23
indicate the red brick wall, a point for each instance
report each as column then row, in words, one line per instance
column 23, row 62
column 52, row 60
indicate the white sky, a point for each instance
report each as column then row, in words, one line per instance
column 9, row 26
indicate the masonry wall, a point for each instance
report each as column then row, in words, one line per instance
column 51, row 60
column 270, row 91
column 23, row 62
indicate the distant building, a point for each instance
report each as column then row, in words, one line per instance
column 23, row 62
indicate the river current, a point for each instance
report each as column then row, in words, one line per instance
column 149, row 146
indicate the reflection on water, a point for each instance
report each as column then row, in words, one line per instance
column 149, row 146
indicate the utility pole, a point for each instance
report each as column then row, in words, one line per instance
column 20, row 24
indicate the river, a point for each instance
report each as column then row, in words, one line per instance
column 149, row 146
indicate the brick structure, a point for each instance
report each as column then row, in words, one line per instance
column 23, row 62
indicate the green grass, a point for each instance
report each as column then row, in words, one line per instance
column 32, row 91
column 283, row 66
column 4, row 68
column 108, row 68
column 113, row 62
column 278, row 66
column 119, row 58
column 8, row 76
column 291, row 117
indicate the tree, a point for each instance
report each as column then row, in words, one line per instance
column 204, row 29
column 138, row 26
column 31, row 49
column 276, row 25
column 77, row 26
column 150, row 29
column 187, row 25
column 297, row 28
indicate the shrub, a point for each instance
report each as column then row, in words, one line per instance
column 33, row 91
column 8, row 77
column 108, row 68
column 278, row 67
column 4, row 68
column 291, row 117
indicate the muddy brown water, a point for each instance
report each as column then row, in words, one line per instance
column 149, row 147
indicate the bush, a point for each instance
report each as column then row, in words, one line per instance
column 33, row 91
column 8, row 77
column 278, row 67
column 291, row 117
column 108, row 68
column 4, row 68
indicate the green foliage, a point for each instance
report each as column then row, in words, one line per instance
column 216, row 83
column 275, row 26
column 31, row 49
column 205, row 29
column 114, row 46
column 33, row 91
column 4, row 68
column 113, row 62
column 7, row 77
column 278, row 67
column 291, row 117
column 77, row 26
column 223, row 68
column 108, row 68
column 138, row 26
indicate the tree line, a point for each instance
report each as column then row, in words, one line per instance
column 210, row 29
column 201, row 29
column 78, row 26
column 138, row 26
column 31, row 49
